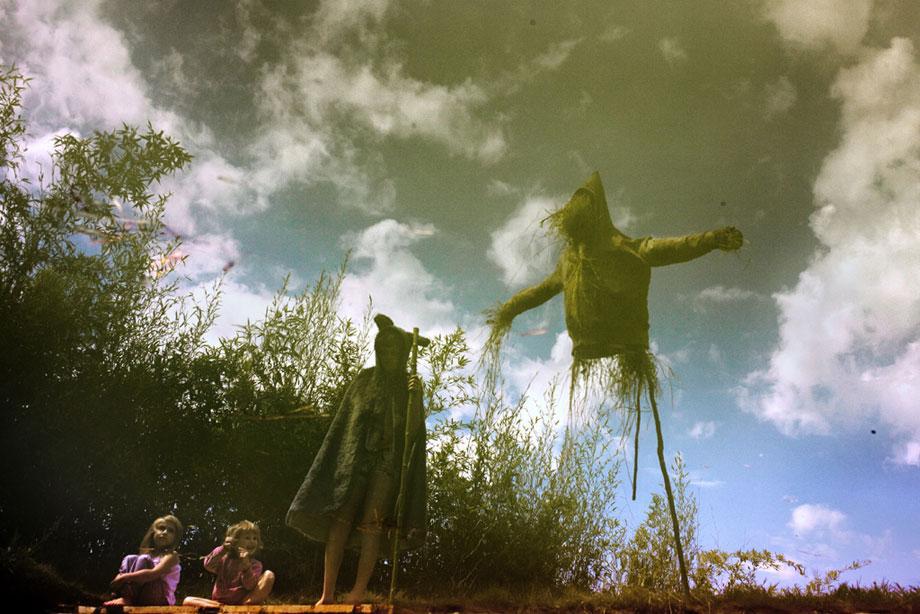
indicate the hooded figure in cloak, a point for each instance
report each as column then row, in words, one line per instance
column 604, row 277
column 348, row 498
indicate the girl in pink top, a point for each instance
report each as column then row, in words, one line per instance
column 151, row 576
column 240, row 577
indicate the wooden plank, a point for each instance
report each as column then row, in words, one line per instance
column 365, row 608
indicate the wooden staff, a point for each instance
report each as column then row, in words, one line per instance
column 404, row 470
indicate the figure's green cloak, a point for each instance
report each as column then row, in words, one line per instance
column 348, row 455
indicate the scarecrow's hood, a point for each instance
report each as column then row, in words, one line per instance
column 599, row 211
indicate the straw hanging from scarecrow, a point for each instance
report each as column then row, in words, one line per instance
column 604, row 276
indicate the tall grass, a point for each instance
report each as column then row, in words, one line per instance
column 511, row 507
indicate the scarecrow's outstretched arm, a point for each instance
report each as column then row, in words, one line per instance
column 527, row 298
column 671, row 250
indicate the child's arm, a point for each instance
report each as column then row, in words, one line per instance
column 148, row 575
column 212, row 561
column 250, row 571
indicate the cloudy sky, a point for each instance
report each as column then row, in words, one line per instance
column 431, row 137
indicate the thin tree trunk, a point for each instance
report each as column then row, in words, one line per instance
column 684, row 582
column 636, row 442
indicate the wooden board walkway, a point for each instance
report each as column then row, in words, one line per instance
column 365, row 608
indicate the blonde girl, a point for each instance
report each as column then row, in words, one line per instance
column 150, row 577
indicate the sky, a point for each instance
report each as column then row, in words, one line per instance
column 430, row 138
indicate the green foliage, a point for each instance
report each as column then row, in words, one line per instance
column 448, row 384
column 826, row 582
column 115, row 410
column 12, row 126
column 513, row 507
column 649, row 560
column 717, row 571
column 84, row 332
column 301, row 356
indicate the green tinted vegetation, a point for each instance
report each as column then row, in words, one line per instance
column 115, row 410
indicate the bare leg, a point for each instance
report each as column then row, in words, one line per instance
column 370, row 546
column 335, row 549
column 129, row 593
column 262, row 589
column 378, row 501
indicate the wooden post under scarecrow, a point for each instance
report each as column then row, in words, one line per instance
column 348, row 498
column 604, row 276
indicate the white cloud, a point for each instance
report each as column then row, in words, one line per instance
column 815, row 24
column 251, row 37
column 681, row 356
column 672, row 51
column 810, row 518
column 497, row 187
column 556, row 55
column 171, row 72
column 550, row 60
column 322, row 99
column 396, row 279
column 721, row 295
column 821, row 534
column 336, row 17
column 849, row 347
column 780, row 97
column 522, row 248
column 715, row 355
column 84, row 79
column 623, row 217
column 537, row 377
column 77, row 62
column 702, row 430
column 908, row 453
column 613, row 33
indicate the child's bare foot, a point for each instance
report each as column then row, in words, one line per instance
column 324, row 600
column 119, row 601
column 353, row 598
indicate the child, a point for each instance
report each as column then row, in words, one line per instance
column 151, row 576
column 240, row 578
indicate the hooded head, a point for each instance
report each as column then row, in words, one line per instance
column 586, row 216
column 393, row 345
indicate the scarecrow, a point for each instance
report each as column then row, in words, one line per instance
column 366, row 488
column 604, row 276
